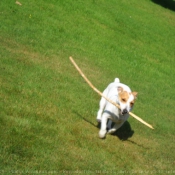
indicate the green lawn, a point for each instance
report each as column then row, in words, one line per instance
column 48, row 112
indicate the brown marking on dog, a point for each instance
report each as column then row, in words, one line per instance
column 132, row 103
column 123, row 96
column 135, row 94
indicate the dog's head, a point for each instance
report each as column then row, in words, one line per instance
column 126, row 100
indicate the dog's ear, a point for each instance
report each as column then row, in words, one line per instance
column 135, row 94
column 119, row 89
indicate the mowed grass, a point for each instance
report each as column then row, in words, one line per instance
column 48, row 112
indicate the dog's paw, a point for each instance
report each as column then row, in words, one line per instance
column 111, row 131
column 102, row 134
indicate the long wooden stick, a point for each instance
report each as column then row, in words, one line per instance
column 101, row 94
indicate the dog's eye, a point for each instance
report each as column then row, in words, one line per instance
column 123, row 100
column 131, row 103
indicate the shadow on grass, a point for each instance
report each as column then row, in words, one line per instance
column 170, row 4
column 122, row 133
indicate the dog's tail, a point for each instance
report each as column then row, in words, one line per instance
column 117, row 80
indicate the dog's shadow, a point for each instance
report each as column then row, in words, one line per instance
column 122, row 133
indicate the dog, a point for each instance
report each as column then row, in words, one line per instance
column 108, row 113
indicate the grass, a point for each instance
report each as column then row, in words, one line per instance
column 48, row 113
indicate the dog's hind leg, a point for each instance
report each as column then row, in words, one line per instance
column 115, row 128
column 109, row 124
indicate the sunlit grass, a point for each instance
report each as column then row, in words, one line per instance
column 48, row 112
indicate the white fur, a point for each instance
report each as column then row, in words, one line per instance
column 109, row 113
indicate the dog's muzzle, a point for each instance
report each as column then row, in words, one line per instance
column 125, row 111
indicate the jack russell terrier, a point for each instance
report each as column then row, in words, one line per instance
column 108, row 113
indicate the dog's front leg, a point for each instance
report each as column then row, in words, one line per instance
column 100, row 111
column 103, row 131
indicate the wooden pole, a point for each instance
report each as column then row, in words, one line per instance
column 101, row 94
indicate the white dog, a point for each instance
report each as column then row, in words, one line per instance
column 108, row 113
